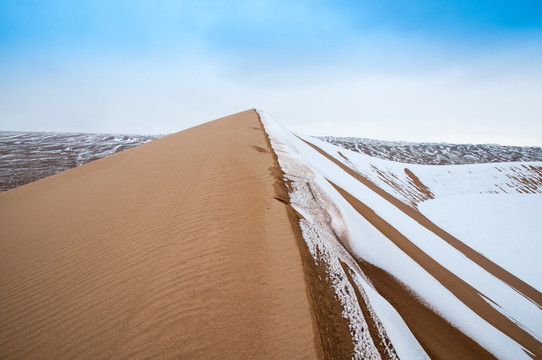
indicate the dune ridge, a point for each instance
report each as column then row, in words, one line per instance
column 241, row 239
column 175, row 248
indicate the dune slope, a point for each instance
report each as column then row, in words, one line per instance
column 411, row 289
column 175, row 248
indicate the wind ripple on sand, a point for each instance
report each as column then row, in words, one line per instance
column 175, row 248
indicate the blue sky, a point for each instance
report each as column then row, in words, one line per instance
column 463, row 71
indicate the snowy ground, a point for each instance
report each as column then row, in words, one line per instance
column 505, row 228
column 492, row 208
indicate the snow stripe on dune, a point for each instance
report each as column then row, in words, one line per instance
column 306, row 197
column 417, row 267
column 489, row 266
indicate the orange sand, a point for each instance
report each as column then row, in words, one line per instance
column 176, row 248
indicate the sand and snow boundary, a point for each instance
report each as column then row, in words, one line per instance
column 373, row 324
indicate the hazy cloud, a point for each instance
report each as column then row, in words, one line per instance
column 458, row 71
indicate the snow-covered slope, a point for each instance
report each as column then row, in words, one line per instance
column 507, row 229
column 428, row 261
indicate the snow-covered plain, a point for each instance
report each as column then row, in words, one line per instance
column 459, row 198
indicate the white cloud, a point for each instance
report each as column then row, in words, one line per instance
column 477, row 102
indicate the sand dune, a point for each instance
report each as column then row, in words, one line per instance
column 241, row 239
column 177, row 248
column 421, row 291
column 412, row 212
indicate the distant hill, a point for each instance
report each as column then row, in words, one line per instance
column 29, row 156
column 436, row 153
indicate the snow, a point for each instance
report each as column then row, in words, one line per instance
column 368, row 243
column 322, row 222
column 511, row 303
column 507, row 229
column 303, row 165
column 441, row 180
column 404, row 342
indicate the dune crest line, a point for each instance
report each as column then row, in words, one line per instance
column 175, row 248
